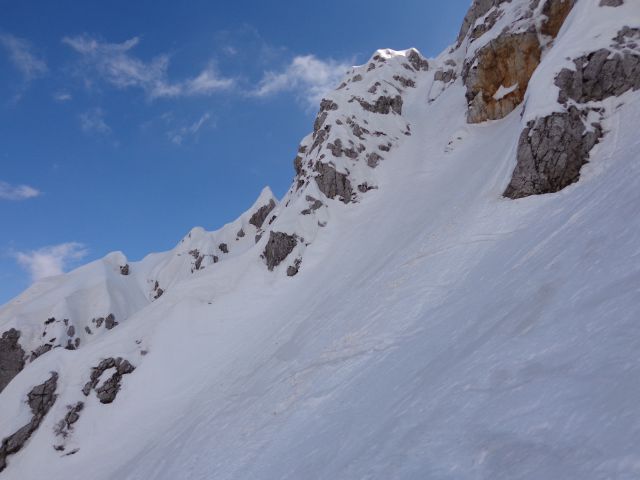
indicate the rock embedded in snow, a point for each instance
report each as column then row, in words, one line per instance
column 258, row 218
column 11, row 357
column 551, row 152
column 40, row 400
column 611, row 3
column 333, row 183
column 278, row 247
column 109, row 389
column 599, row 75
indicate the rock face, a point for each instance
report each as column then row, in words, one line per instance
column 551, row 151
column 258, row 218
column 65, row 426
column 278, row 247
column 11, row 357
column 478, row 9
column 555, row 11
column 599, row 75
column 109, row 389
column 332, row 183
column 497, row 74
column 504, row 64
column 40, row 399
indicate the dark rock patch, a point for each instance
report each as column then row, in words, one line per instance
column 223, row 248
column 417, row 61
column 110, row 321
column 260, row 215
column 278, row 247
column 293, row 270
column 384, row 105
column 109, row 389
column 11, row 357
column 611, row 3
column 332, row 183
column 41, row 350
column 551, row 152
column 124, row 269
column 599, row 75
column 64, row 427
column 40, row 400
column 314, row 204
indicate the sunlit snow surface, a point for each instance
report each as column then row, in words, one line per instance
column 435, row 330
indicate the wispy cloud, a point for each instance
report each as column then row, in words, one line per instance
column 62, row 96
column 22, row 56
column 92, row 121
column 52, row 260
column 177, row 136
column 307, row 76
column 17, row 192
column 116, row 64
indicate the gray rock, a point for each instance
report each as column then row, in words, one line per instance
column 110, row 321
column 260, row 215
column 478, row 9
column 417, row 61
column 293, row 270
column 314, row 204
column 383, row 105
column 332, row 183
column 64, row 427
column 373, row 159
column 223, row 248
column 109, row 389
column 551, row 152
column 71, row 331
column 599, row 75
column 11, row 357
column 611, row 3
column 278, row 247
column 124, row 269
column 41, row 350
column 40, row 400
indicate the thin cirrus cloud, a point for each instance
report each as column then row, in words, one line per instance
column 22, row 57
column 51, row 260
column 116, row 64
column 307, row 76
column 177, row 136
column 92, row 121
column 17, row 192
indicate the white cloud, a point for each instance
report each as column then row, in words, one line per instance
column 62, row 96
column 177, row 136
column 308, row 76
column 20, row 54
column 115, row 63
column 92, row 121
column 17, row 192
column 52, row 260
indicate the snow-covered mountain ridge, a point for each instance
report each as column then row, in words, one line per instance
column 403, row 311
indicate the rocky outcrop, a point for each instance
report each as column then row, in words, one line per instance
column 278, row 247
column 109, row 389
column 498, row 75
column 383, row 105
column 260, row 215
column 478, row 9
column 11, row 357
column 40, row 400
column 611, row 3
column 333, row 183
column 65, row 426
column 556, row 12
column 124, row 269
column 599, row 75
column 551, row 152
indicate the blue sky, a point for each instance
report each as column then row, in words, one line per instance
column 124, row 124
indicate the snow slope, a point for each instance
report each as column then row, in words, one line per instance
column 434, row 330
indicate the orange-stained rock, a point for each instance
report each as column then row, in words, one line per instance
column 508, row 61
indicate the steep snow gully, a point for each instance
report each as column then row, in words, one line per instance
column 450, row 289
